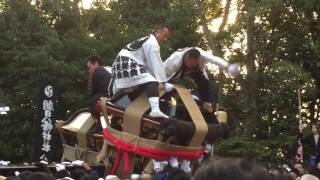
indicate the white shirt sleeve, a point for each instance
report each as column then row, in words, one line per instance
column 154, row 62
column 173, row 63
column 210, row 58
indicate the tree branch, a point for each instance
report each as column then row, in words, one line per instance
column 225, row 16
column 206, row 31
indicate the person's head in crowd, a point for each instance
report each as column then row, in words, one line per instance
column 13, row 178
column 89, row 177
column 24, row 175
column 177, row 174
column 315, row 129
column 191, row 58
column 275, row 171
column 294, row 173
column 40, row 175
column 299, row 167
column 163, row 33
column 283, row 177
column 285, row 168
column 145, row 176
column 93, row 62
column 309, row 177
column 78, row 173
column 62, row 173
column 318, row 165
column 232, row 169
column 158, row 176
column 315, row 170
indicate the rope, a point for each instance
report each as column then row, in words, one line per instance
column 124, row 148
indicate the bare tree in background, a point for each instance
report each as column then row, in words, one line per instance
column 211, row 40
column 251, row 70
column 206, row 31
column 248, row 84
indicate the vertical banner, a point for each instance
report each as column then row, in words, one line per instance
column 43, row 125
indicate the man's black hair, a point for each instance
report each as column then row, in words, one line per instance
column 77, row 174
column 40, row 175
column 94, row 59
column 25, row 174
column 62, row 174
column 232, row 169
column 177, row 174
column 162, row 26
column 283, row 177
column 13, row 178
column 193, row 53
column 89, row 177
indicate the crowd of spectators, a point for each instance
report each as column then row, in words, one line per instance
column 213, row 169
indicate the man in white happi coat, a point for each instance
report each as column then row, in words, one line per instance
column 191, row 62
column 139, row 65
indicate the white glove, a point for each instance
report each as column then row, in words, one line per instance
column 134, row 176
column 159, row 165
column 4, row 163
column 66, row 163
column 108, row 69
column 77, row 163
column 207, row 148
column 233, row 69
column 16, row 173
column 60, row 167
column 44, row 162
column 168, row 87
column 195, row 97
column 174, row 162
column 69, row 178
column 185, row 166
column 111, row 177
column 200, row 159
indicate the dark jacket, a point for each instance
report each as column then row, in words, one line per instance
column 100, row 81
column 100, row 84
column 200, row 79
column 310, row 142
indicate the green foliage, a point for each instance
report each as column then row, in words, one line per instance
column 286, row 61
column 49, row 40
column 275, row 136
column 27, row 56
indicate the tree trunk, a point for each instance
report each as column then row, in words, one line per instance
column 251, row 69
column 206, row 31
column 215, row 49
column 317, row 113
column 312, row 111
column 225, row 16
